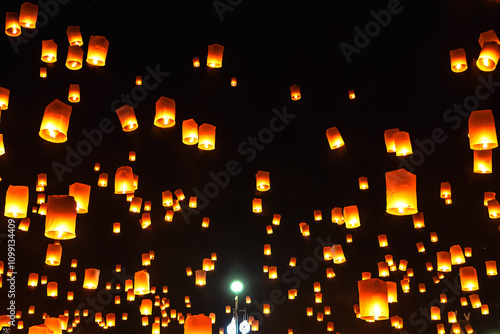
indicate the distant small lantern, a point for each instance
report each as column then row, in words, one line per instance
column 457, row 256
column 131, row 156
column 179, row 194
column 28, row 15
column 49, row 51
column 196, row 62
column 262, row 180
column 295, row 92
column 491, row 268
column 103, row 180
column 116, row 228
column 352, row 95
column 189, row 132
column 401, row 192
column 445, row 190
column 97, row 50
column 55, row 122
column 74, row 59
column 74, row 36
column 382, row 240
column 317, row 215
column 167, row 198
column 214, row 56
column 16, row 201
column 43, row 72
column 276, row 219
column 403, row 143
column 52, row 289
column 138, row 80
column 74, row 93
column 458, row 60
column 257, row 205
column 363, row 183
column 193, row 202
column 206, row 137
column 418, row 220
column 81, row 194
column 201, row 277
column 127, row 118
column 234, row 82
column 334, row 138
column 337, row 216
column 4, row 98
column 12, row 27
column 91, row 280
column 165, row 112
column 273, row 272
column 493, row 209
column 482, row 131
column 483, row 161
column 60, row 221
column 338, row 254
column 390, row 142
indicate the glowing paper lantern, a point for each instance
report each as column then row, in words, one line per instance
column 60, row 221
column 165, row 112
column 198, row 324
column 337, row 216
column 390, row 142
column 214, row 56
column 443, row 261
column 491, row 268
column 418, row 220
column 127, row 118
column 124, row 180
column 383, row 269
column 12, row 27
column 52, row 289
column 40, row 329
column 483, row 161
column 141, row 283
column 16, row 201
column 74, row 36
column 74, row 59
column 445, row 190
column 189, row 132
column 53, row 255
column 458, row 60
column 373, row 303
column 262, row 181
column 91, row 280
column 382, row 240
column 351, row 216
column 196, row 62
column 295, row 92
column 257, row 205
column 401, row 192
column 103, row 180
column 457, row 256
column 338, row 254
column 28, row 15
column 4, row 98
column 201, row 277
column 81, row 194
column 490, row 51
column 468, row 279
column 493, row 209
column 55, row 122
column 482, row 131
column 206, row 140
column 334, row 138
column 363, row 183
column 403, row 144
column 234, row 82
column 74, row 93
column 33, row 279
column 49, row 51
column 475, row 301
column 97, row 50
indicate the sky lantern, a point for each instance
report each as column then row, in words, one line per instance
column 74, row 36
column 16, row 201
column 338, row 254
column 392, row 292
column 383, row 269
column 91, row 280
column 60, row 221
column 445, row 190
column 403, row 143
column 74, row 59
column 493, row 209
column 475, row 301
column 167, row 198
column 468, row 279
column 337, row 216
column 234, row 82
column 457, row 256
column 196, row 62
column 444, row 261
column 458, row 60
column 200, row 277
column 190, row 132
column 401, row 193
column 124, row 180
column 193, row 202
column 363, row 182
column 351, row 95
column 141, row 283
column 214, row 56
column 334, row 138
column 198, row 324
column 54, row 324
column 206, row 140
column 373, row 303
column 490, row 51
column 146, row 307
column 28, row 15
column 53, row 255
column 390, row 142
column 49, row 51
column 382, row 240
column 418, row 220
column 295, row 92
column 55, row 122
column 43, row 72
column 348, row 238
column 103, row 180
column 4, row 98
column 317, row 215
column 127, row 118
column 74, row 93
column 33, row 279
column 52, row 289
column 491, row 268
column 262, row 180
column 483, row 161
column 40, row 329
column 135, row 204
column 482, row 131
column 273, row 272
column 138, row 80
column 97, row 50
column 24, row 225
column 435, row 313
column 12, row 27
column 257, row 205
column 81, row 194
column 110, row 320
column 165, row 112
column 351, row 216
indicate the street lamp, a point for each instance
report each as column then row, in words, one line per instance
column 244, row 327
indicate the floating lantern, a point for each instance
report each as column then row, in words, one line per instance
column 262, row 180
column 74, row 93
column 392, row 292
column 124, row 180
column 363, row 183
column 146, row 260
column 485, row 310
column 493, row 209
column 338, row 254
column 24, row 225
column 103, row 180
column 205, row 222
column 167, row 198
column 135, row 204
column 295, row 92
column 418, row 220
column 165, row 112
column 193, row 202
column 33, row 279
column 16, row 201
column 475, row 301
column 317, row 215
column 214, row 56
column 189, row 132
column 138, row 80
column 52, row 289
column 483, row 161
column 198, row 324
column 43, row 72
column 445, row 190
column 435, row 313
column 55, row 122
column 257, row 205
column 366, row 275
column 482, row 131
column 420, row 247
column 348, row 238
column 434, row 237
column 491, row 268
column 403, row 143
column 337, row 216
column 373, row 303
column 74, row 59
column 74, row 36
column 444, row 261
column 490, row 51
column 12, row 27
column 234, row 82
column 383, row 269
column 53, row 255
column 196, row 62
column 146, row 307
column 421, row 287
column 49, row 51
column 179, row 194
column 201, row 277
column 91, row 280
column 468, row 279
column 390, row 142
column 127, row 118
column 276, row 219
column 457, row 256
column 468, row 252
column 405, row 285
column 267, row 249
column 458, row 60
column 452, row 317
column 97, row 50
column 334, row 138
column 4, row 98
column 382, row 240
column 81, row 194
column 28, row 15
column 351, row 216
column 206, row 140
column 273, row 272
column 141, row 283
column 352, row 95
column 401, row 192
column 60, row 221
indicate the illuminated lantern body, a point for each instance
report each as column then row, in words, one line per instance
column 196, row 62
column 110, row 320
column 81, row 194
column 4, row 98
column 127, row 118
column 74, row 36
column 257, row 205
column 53, row 255
column 403, row 143
column 489, row 55
column 475, row 301
column 49, row 51
column 74, row 93
column 457, row 256
column 16, row 202
column 198, row 324
column 135, row 204
column 141, row 283
column 24, row 225
column 363, row 183
column 91, row 280
column 262, row 180
column 491, row 268
column 12, row 27
column 352, row 95
column 60, row 221
column 97, row 50
column 435, row 313
column 43, row 72
column 165, row 113
column 383, row 269
column 338, row 254
column 351, row 216
column 234, row 82
column 337, row 216
column 382, row 240
column 458, row 60
column 482, row 131
column 418, row 220
column 201, row 277
column 401, row 192
column 103, row 180
column 334, row 138
column 146, row 307
column 317, row 215
column 390, row 142
column 193, row 202
column 493, row 209
column 373, row 303
column 483, row 162
column 52, row 289
column 2, row 147
column 206, row 137
column 124, row 180
column 214, row 56
column 55, row 122
column 28, row 15
column 468, row 279
column 74, row 59
column 295, row 92
column 445, row 190
column 443, row 261
column 54, row 324
column 40, row 329
column 33, row 280
column 392, row 292
column 189, row 132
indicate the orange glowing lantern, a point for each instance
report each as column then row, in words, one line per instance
column 482, row 131
column 444, row 261
column 390, row 142
column 434, row 237
column 317, row 215
column 421, row 287
column 205, row 222
column 348, row 238
column 276, row 219
column 401, row 192
column 273, row 272
column 363, row 183
column 214, row 56
column 201, row 277
column 12, row 27
column 475, row 301
column 337, row 216
column 167, row 198
column 234, row 82
column 468, row 279
column 74, row 36
column 483, row 162
column 52, row 289
column 97, row 50
column 74, row 59
column 40, row 329
column 55, row 122
column 403, row 143
column 420, row 247
column 382, row 240
column 165, row 112
column 206, row 140
column 338, row 254
column 491, row 268
column 4, row 98
column 24, row 225
column 435, row 313
column 445, row 190
column 127, row 118
column 198, row 324
column 179, row 194
column 49, row 51
column 418, row 220
column 33, row 279
column 405, row 285
column 295, row 92
column 351, row 216
column 392, row 292
column 74, row 93
column 334, row 138
column 135, row 204
column 458, row 60
column 16, row 201
column 91, row 280
column 490, row 51
column 53, row 255
column 28, row 15
column 457, row 256
column 257, row 205
column 193, row 202
column 124, row 180
column 103, row 180
column 138, row 80
column 81, row 194
column 190, row 132
column 196, row 62
column 262, row 180
column 373, row 302
column 60, row 221
column 141, row 283
column 493, row 209
column 383, row 269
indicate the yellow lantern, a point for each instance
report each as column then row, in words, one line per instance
column 401, row 192
column 138, row 80
column 443, row 261
column 54, row 324
column 12, row 27
column 16, row 201
column 4, row 98
column 201, row 277
column 373, row 303
column 49, row 51
column 165, row 112
column 74, row 59
column 60, row 221
column 205, row 222
column 135, row 204
column 317, row 215
column 392, row 292
column 234, row 82
column 127, row 118
column 468, row 251
column 257, row 205
column 418, row 220
column 74, row 36
column 351, row 216
column 28, row 15
column 485, row 310
column 468, row 279
column 458, row 60
column 405, row 285
column 74, row 93
column 110, row 319
column 482, row 131
column 214, row 56
column 390, row 142
column 493, row 209
column 167, row 198
column 435, row 313
column 141, row 283
column 383, row 269
column 193, row 202
column 97, row 50
column 295, row 92
column 338, row 254
column 81, row 194
column 389, row 259
column 207, row 137
column 382, row 240
column 103, row 180
column 124, row 180
column 489, row 55
column 363, row 183
column 457, row 256
column 55, row 122
column 196, row 62
column 91, row 280
column 53, row 255
column 434, row 237
column 198, row 324
column 334, row 138
column 445, row 190
column 262, row 180
column 273, row 272
column 482, row 162
column 190, row 132
column 491, row 268
column 403, row 144
column 52, row 289
column 266, row 309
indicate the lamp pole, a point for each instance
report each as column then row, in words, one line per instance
column 234, row 327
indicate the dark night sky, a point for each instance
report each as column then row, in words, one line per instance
column 402, row 79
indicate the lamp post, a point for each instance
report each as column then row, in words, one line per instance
column 244, row 326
